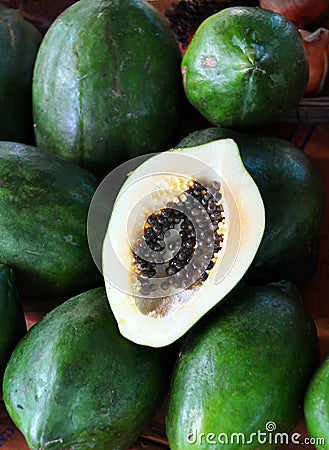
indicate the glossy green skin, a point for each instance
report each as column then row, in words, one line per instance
column 44, row 203
column 293, row 194
column 13, row 325
column 316, row 406
column 244, row 365
column 74, row 378
column 107, row 84
column 19, row 43
column 245, row 66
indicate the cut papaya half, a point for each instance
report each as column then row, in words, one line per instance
column 183, row 231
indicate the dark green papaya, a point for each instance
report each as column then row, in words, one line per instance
column 74, row 382
column 240, row 379
column 13, row 326
column 44, row 203
column 293, row 195
column 19, row 43
column 106, row 84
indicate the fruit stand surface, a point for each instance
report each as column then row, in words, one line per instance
column 313, row 139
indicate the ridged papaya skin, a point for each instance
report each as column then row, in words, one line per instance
column 74, row 382
column 243, row 368
column 44, row 203
column 293, row 194
column 19, row 43
column 13, row 326
column 106, row 84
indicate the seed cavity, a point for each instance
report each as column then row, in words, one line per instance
column 180, row 242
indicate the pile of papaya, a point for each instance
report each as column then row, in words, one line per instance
column 165, row 237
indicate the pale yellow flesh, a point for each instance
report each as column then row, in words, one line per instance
column 157, row 181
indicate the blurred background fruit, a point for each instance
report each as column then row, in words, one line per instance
column 300, row 12
column 317, row 48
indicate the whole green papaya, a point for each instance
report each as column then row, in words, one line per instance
column 73, row 382
column 44, row 203
column 240, row 379
column 107, row 84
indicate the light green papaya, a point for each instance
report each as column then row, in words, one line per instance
column 316, row 406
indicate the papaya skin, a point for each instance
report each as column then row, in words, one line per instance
column 293, row 195
column 244, row 67
column 244, row 365
column 13, row 326
column 316, row 405
column 74, row 382
column 44, row 202
column 122, row 90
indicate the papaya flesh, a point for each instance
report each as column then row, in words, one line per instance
column 293, row 195
column 243, row 370
column 184, row 229
column 74, row 382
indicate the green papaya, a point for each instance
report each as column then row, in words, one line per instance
column 316, row 406
column 293, row 195
column 44, row 203
column 73, row 382
column 19, row 44
column 107, row 84
column 13, row 326
column 242, row 372
column 245, row 66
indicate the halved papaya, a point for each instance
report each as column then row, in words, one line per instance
column 184, row 229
